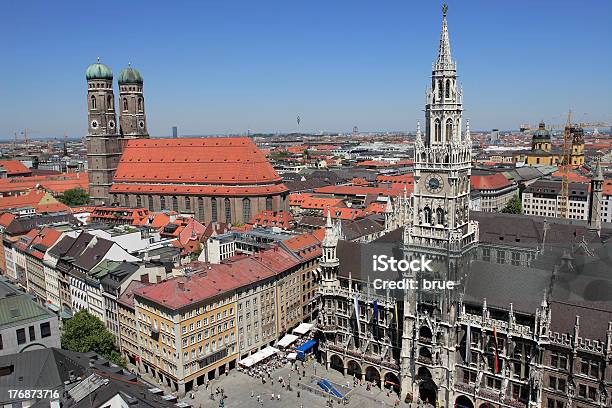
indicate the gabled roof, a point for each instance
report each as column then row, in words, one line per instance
column 14, row 167
column 214, row 162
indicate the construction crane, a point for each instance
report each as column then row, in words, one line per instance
column 565, row 162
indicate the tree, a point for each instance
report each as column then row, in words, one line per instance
column 74, row 196
column 513, row 206
column 85, row 332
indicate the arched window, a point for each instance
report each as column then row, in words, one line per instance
column 175, row 204
column 246, row 210
column 213, row 209
column 269, row 203
column 140, row 104
column 228, row 211
column 138, row 201
column 162, row 201
column 437, row 131
column 125, row 104
column 447, row 90
column 440, row 216
column 109, row 102
column 427, row 212
column 201, row 209
column 93, row 102
column 449, row 129
column 150, row 203
column 440, row 93
column 188, row 203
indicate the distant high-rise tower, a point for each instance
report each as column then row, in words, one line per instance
column 103, row 144
column 132, row 119
column 355, row 131
column 174, row 132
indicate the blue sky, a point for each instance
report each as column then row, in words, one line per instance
column 229, row 66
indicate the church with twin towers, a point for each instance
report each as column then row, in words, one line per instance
column 530, row 305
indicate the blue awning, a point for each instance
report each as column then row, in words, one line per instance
column 307, row 346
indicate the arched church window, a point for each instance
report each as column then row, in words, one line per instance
column 449, row 129
column 140, row 104
column 125, row 104
column 162, row 201
column 440, row 89
column 93, row 102
column 440, row 216
column 447, row 90
column 175, row 203
column 269, row 203
column 109, row 102
column 213, row 209
column 228, row 211
column 246, row 210
column 427, row 213
column 437, row 131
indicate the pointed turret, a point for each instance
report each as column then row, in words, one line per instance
column 445, row 60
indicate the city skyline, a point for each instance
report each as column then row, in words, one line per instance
column 337, row 66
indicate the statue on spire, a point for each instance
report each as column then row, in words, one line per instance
column 444, row 9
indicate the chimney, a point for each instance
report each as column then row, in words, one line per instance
column 181, row 285
column 144, row 278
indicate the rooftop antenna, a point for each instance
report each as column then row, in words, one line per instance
column 298, row 123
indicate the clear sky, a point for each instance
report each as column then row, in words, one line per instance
column 228, row 66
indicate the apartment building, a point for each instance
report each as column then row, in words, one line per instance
column 495, row 191
column 543, row 198
column 195, row 327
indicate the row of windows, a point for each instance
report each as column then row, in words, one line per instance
column 110, row 103
column 45, row 331
column 172, row 203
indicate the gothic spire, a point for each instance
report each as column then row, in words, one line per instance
column 445, row 60
column 598, row 172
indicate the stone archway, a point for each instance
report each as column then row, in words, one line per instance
column 336, row 363
column 464, row 402
column 428, row 390
column 372, row 375
column 354, row 369
column 392, row 382
column 487, row 405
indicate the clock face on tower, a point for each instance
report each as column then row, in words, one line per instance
column 434, row 183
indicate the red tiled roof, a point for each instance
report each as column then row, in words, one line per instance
column 56, row 183
column 41, row 201
column 6, row 219
column 308, row 201
column 489, row 181
column 212, row 162
column 14, row 167
column 571, row 176
column 268, row 218
column 359, row 191
column 306, row 246
column 46, row 238
column 179, row 292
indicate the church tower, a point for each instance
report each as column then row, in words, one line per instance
column 103, row 145
column 132, row 119
column 440, row 229
column 596, row 200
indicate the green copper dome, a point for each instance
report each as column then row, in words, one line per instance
column 98, row 71
column 542, row 132
column 130, row 75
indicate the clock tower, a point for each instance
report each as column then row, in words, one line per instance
column 440, row 229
